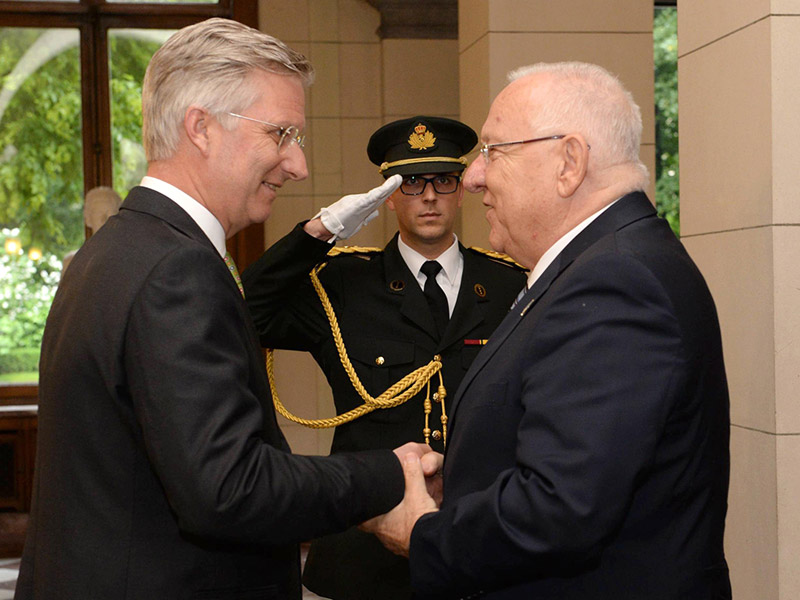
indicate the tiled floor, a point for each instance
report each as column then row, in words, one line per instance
column 8, row 577
column 10, row 567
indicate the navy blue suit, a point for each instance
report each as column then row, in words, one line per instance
column 588, row 455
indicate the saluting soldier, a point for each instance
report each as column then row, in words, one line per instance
column 415, row 313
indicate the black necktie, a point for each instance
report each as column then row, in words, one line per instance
column 435, row 296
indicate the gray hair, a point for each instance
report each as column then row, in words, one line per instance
column 588, row 99
column 208, row 64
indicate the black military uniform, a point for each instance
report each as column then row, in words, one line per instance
column 388, row 331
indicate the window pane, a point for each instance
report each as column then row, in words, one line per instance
column 129, row 52
column 665, row 53
column 41, row 184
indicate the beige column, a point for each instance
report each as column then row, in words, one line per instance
column 496, row 36
column 361, row 83
column 740, row 210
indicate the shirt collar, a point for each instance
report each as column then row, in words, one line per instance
column 450, row 259
column 556, row 249
column 199, row 213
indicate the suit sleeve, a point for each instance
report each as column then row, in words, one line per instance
column 597, row 370
column 189, row 358
column 282, row 302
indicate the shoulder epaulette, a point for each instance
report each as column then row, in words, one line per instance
column 499, row 257
column 339, row 250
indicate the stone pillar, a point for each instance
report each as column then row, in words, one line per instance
column 362, row 82
column 740, row 210
column 496, row 36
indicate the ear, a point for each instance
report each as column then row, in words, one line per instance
column 572, row 170
column 390, row 199
column 195, row 123
column 460, row 193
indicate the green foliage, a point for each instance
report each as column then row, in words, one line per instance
column 21, row 360
column 41, row 181
column 128, row 58
column 24, row 377
column 665, row 47
column 41, row 151
column 41, row 171
column 26, row 291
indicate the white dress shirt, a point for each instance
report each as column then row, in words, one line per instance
column 556, row 249
column 449, row 278
column 200, row 214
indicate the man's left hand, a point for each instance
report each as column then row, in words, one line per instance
column 394, row 528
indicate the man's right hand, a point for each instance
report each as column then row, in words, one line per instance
column 347, row 215
column 431, row 462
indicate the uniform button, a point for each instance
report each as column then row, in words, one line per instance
column 379, row 361
column 437, row 435
column 437, row 357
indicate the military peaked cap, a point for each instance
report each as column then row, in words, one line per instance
column 421, row 145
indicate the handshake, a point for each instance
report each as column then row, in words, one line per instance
column 422, row 468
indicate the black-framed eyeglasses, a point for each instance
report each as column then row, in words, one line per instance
column 486, row 147
column 414, row 185
column 286, row 135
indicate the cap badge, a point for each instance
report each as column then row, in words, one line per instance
column 422, row 138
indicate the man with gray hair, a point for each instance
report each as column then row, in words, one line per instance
column 588, row 453
column 161, row 471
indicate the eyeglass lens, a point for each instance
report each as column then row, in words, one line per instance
column 291, row 132
column 414, row 185
column 288, row 136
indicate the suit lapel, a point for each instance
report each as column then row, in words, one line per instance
column 144, row 200
column 147, row 201
column 628, row 209
column 496, row 340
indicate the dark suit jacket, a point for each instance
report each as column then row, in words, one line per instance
column 589, row 450
column 161, row 471
column 383, row 313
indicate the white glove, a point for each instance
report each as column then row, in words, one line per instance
column 347, row 215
